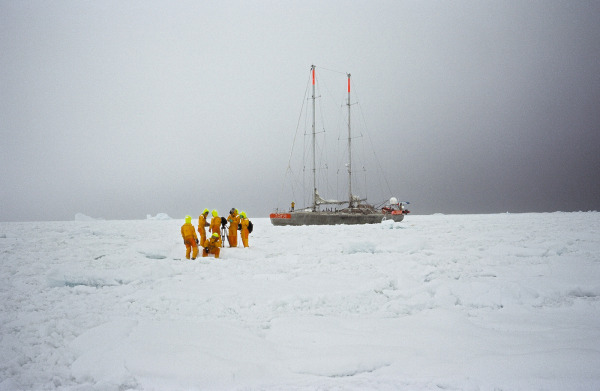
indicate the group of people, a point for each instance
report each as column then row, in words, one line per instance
column 212, row 245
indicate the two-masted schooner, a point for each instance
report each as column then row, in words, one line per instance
column 356, row 211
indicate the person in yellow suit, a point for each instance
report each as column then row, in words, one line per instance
column 212, row 246
column 244, row 223
column 233, row 220
column 215, row 223
column 202, row 225
column 188, row 232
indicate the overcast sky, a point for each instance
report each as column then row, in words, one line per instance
column 119, row 109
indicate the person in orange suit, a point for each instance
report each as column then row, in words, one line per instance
column 201, row 225
column 244, row 224
column 212, row 246
column 188, row 232
column 233, row 220
column 215, row 223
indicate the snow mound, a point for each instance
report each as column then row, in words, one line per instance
column 159, row 216
column 390, row 224
column 82, row 217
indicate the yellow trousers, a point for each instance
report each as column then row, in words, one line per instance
column 215, row 251
column 245, row 234
column 189, row 245
column 232, row 237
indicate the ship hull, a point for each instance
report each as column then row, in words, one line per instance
column 331, row 218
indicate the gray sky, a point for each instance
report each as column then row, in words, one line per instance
column 118, row 109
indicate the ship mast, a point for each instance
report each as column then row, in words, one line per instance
column 350, row 199
column 314, row 169
column 316, row 198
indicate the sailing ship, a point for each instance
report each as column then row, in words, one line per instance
column 356, row 210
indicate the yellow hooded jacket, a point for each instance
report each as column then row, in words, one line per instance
column 244, row 223
column 215, row 225
column 213, row 243
column 234, row 220
column 188, row 233
column 202, row 225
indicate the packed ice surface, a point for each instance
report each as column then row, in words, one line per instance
column 453, row 302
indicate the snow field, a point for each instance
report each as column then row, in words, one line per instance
column 464, row 302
